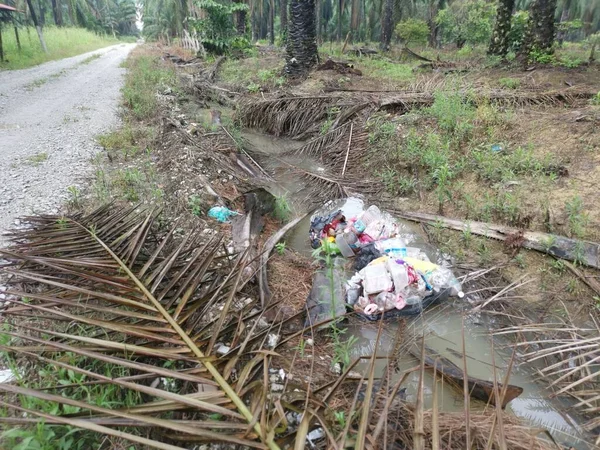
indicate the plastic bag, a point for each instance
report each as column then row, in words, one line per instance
column 221, row 213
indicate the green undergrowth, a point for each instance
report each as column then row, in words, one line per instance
column 452, row 156
column 61, row 381
column 147, row 75
column 61, row 42
column 253, row 74
column 126, row 170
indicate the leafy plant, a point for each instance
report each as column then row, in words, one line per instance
column 283, row 209
column 215, row 27
column 577, row 217
column 195, row 204
column 280, row 248
column 412, row 31
column 467, row 21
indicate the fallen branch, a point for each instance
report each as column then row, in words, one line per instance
column 582, row 252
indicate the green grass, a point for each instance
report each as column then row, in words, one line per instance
column 393, row 71
column 145, row 76
column 37, row 159
column 61, row 43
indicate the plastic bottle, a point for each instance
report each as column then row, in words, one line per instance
column 443, row 278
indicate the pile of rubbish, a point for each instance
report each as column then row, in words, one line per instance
column 390, row 278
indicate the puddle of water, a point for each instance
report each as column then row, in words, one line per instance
column 441, row 326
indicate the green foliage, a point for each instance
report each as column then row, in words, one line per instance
column 62, row 43
column 146, row 75
column 509, row 83
column 380, row 129
column 195, row 205
column 453, row 112
column 42, row 436
column 596, row 99
column 518, row 27
column 280, row 248
column 541, row 56
column 283, row 209
column 507, row 166
column 216, row 28
column 467, row 21
column 380, row 68
column 577, row 217
column 412, row 31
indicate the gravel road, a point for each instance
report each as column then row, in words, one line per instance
column 49, row 116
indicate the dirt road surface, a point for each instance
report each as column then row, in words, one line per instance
column 49, row 116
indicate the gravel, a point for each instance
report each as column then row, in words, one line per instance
column 49, row 117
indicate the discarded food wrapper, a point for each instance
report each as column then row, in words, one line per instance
column 221, row 213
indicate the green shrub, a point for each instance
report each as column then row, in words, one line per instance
column 453, row 113
column 518, row 26
column 412, row 31
column 467, row 21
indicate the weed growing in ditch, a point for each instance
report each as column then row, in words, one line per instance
column 578, row 219
column 280, row 248
column 195, row 204
column 283, row 209
column 68, row 383
column 332, row 113
column 454, row 114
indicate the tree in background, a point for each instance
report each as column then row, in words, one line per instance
column 387, row 24
column 540, row 33
column 412, row 31
column 500, row 37
column 467, row 22
column 301, row 44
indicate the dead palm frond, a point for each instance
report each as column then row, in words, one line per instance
column 571, row 360
column 298, row 117
column 112, row 290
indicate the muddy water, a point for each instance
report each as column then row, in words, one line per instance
column 441, row 326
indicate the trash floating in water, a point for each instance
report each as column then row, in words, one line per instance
column 391, row 278
column 221, row 213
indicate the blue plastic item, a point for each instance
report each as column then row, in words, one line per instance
column 221, row 213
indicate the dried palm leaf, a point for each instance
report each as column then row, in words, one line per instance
column 123, row 295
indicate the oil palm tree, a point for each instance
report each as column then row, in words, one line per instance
column 302, row 41
column 500, row 42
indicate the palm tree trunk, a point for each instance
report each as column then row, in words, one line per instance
column 272, row 22
column 283, row 18
column 387, row 24
column 56, row 14
column 564, row 16
column 42, row 14
column 540, row 28
column 239, row 18
column 318, row 20
column 38, row 28
column 341, row 5
column 301, row 42
column 499, row 42
column 354, row 18
column 71, row 15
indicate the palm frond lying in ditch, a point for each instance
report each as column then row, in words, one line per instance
column 107, row 289
column 341, row 149
column 571, row 361
column 297, row 117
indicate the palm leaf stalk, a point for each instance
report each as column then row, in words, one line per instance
column 122, row 295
